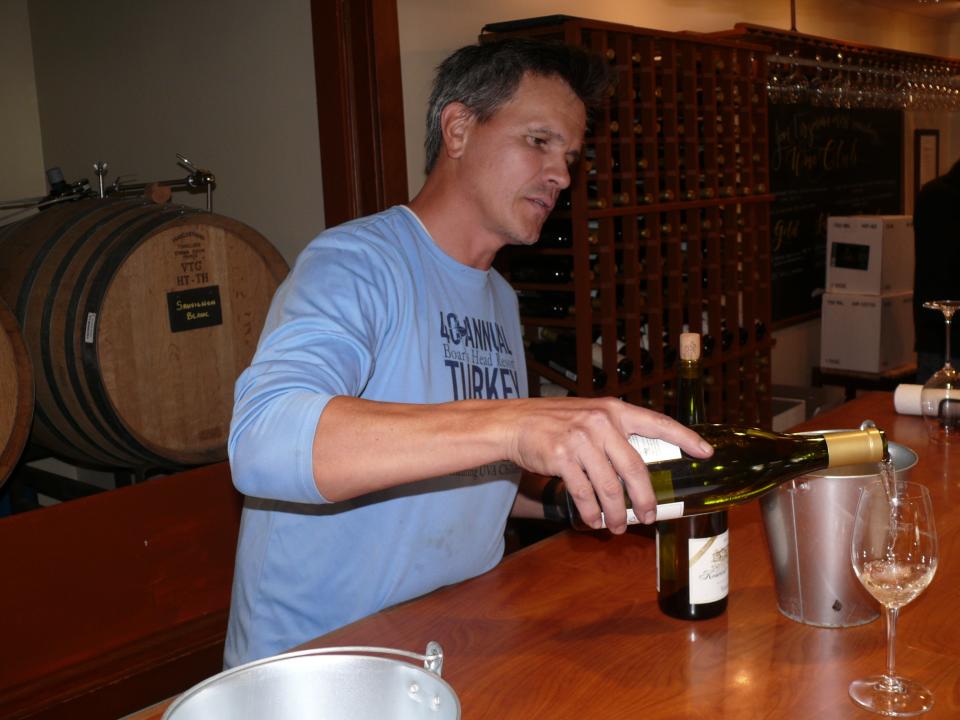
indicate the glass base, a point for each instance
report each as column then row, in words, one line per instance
column 940, row 435
column 940, row 405
column 891, row 696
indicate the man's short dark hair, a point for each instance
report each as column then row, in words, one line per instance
column 484, row 77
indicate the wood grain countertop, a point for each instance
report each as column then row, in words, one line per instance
column 569, row 627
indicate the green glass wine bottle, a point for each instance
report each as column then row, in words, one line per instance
column 746, row 463
column 692, row 552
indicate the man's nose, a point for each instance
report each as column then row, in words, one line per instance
column 557, row 172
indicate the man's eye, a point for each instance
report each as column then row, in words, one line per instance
column 538, row 141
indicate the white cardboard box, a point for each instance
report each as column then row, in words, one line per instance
column 870, row 254
column 866, row 333
column 787, row 412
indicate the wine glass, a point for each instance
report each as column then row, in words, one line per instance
column 894, row 555
column 796, row 84
column 940, row 396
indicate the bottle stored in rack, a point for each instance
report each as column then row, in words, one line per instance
column 671, row 198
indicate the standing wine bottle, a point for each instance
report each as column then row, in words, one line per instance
column 693, row 569
column 746, row 463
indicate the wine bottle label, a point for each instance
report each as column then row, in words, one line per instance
column 597, row 352
column 665, row 511
column 653, row 450
column 669, row 511
column 569, row 374
column 709, row 568
column 91, row 325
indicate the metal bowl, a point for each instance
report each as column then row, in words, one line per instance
column 325, row 684
column 809, row 527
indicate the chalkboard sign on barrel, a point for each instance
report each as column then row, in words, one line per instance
column 824, row 161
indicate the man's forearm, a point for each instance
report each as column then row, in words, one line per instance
column 362, row 446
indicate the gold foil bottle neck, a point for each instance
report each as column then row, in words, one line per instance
column 853, row 447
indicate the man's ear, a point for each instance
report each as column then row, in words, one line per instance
column 455, row 123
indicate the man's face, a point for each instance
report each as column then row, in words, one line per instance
column 516, row 163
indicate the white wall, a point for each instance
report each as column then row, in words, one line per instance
column 797, row 351
column 22, row 172
column 228, row 83
column 945, row 123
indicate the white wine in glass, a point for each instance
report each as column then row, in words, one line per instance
column 894, row 555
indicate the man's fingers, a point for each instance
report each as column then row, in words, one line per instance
column 635, row 474
column 655, row 425
column 626, row 462
column 584, row 496
column 607, row 485
column 688, row 440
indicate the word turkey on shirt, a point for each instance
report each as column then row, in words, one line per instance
column 480, row 360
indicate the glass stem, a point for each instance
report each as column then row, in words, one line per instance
column 891, row 614
column 949, row 355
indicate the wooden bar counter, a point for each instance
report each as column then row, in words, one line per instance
column 569, row 627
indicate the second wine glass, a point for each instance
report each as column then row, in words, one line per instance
column 940, row 396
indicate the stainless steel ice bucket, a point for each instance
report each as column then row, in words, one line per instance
column 809, row 526
column 340, row 683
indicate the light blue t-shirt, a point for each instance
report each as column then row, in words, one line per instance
column 372, row 309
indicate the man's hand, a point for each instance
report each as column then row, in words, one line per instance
column 584, row 441
column 361, row 446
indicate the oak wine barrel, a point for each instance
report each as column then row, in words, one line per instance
column 138, row 318
column 16, row 392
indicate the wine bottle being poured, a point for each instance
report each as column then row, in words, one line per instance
column 747, row 462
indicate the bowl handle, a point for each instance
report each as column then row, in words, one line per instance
column 432, row 660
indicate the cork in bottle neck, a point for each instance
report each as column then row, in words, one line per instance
column 689, row 346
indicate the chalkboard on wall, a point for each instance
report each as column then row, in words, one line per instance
column 825, row 161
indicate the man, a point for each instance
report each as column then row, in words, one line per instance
column 936, row 222
column 380, row 426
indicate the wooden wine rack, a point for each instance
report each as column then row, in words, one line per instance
column 668, row 216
